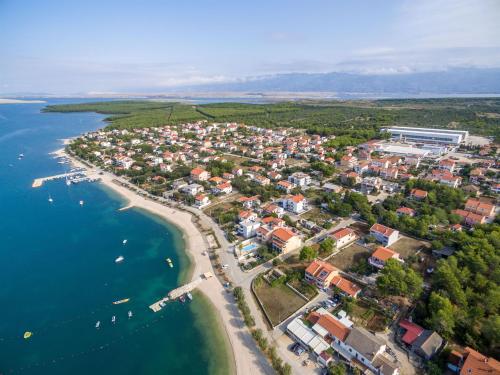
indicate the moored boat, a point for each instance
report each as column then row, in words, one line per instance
column 119, row 259
column 189, row 295
column 125, row 300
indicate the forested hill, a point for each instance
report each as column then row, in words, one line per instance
column 354, row 118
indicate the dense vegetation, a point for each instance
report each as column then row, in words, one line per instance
column 353, row 121
column 465, row 299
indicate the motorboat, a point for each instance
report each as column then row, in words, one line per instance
column 98, row 324
column 124, row 242
column 81, row 203
column 113, row 319
column 189, row 295
column 119, row 302
column 182, row 298
column 27, row 335
column 130, row 314
column 50, row 199
column 119, row 259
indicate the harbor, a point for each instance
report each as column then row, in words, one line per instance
column 72, row 177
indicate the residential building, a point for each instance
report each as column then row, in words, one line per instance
column 348, row 161
column 320, row 273
column 447, row 164
column 418, row 194
column 248, row 228
column 368, row 350
column 346, row 287
column 295, row 203
column 479, row 207
column 285, row 186
column 199, row 174
column 405, row 211
column 382, row 255
column 224, row 188
column 471, row 362
column 424, row 342
column 470, row 218
column 370, row 184
column 300, row 179
column 192, row 189
column 343, row 237
column 385, row 235
column 284, row 240
column 201, row 201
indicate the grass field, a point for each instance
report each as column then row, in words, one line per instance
column 368, row 317
column 407, row 246
column 349, row 256
column 279, row 301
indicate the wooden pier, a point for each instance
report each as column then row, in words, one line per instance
column 156, row 306
column 176, row 293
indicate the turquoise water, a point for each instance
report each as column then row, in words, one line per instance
column 58, row 276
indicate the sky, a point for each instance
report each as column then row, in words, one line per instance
column 92, row 46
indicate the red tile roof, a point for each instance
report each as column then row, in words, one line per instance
column 476, row 364
column 283, row 234
column 412, row 331
column 334, row 327
column 341, row 233
column 383, row 253
column 346, row 285
column 382, row 229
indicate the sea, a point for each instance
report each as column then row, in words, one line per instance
column 58, row 275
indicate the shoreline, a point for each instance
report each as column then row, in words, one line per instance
column 249, row 359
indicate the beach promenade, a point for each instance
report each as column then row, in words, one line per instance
column 248, row 359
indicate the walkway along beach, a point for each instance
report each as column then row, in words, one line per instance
column 247, row 357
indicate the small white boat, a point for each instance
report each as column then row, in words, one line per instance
column 50, row 199
column 68, row 182
column 130, row 314
column 81, row 203
column 113, row 319
column 190, row 296
column 119, row 259
column 98, row 324
column 124, row 242
column 20, row 156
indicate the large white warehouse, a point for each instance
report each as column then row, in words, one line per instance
column 428, row 135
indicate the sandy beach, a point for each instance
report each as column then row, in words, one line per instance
column 247, row 357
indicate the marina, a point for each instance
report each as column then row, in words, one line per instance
column 74, row 177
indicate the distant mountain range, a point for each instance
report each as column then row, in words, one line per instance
column 453, row 81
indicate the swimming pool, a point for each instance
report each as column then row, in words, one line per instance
column 249, row 247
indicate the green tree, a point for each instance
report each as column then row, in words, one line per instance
column 441, row 317
column 327, row 245
column 337, row 369
column 308, row 253
column 396, row 279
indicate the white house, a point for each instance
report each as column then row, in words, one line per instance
column 343, row 237
column 300, row 179
column 295, row 203
column 201, row 201
column 248, row 228
column 385, row 235
column 192, row 189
